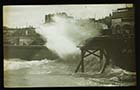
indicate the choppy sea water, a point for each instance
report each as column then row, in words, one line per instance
column 56, row 73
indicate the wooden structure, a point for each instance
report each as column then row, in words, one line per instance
column 117, row 49
column 89, row 52
column 91, row 47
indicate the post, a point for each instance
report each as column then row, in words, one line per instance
column 82, row 60
column 107, row 58
column 101, row 57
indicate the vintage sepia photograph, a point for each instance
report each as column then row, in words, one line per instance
column 69, row 45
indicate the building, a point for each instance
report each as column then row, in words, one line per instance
column 122, row 21
column 21, row 36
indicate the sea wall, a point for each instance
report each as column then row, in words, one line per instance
column 28, row 52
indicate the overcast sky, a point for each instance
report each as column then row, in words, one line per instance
column 21, row 16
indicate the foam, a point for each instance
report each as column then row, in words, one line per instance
column 15, row 64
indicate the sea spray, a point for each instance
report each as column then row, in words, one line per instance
column 15, row 64
column 64, row 34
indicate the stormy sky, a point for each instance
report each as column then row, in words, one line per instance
column 25, row 15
